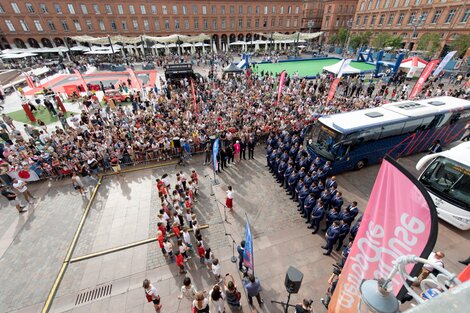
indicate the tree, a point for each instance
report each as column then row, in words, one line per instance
column 395, row 42
column 461, row 44
column 429, row 42
column 342, row 36
column 333, row 39
column 381, row 40
column 360, row 40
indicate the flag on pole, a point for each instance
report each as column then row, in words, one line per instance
column 444, row 62
column 422, row 78
column 134, row 77
column 332, row 91
column 29, row 80
column 215, row 152
column 282, row 78
column 392, row 226
column 248, row 259
column 194, row 98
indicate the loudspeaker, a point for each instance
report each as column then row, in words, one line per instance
column 293, row 280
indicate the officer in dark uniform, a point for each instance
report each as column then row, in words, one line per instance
column 251, row 148
column 287, row 173
column 331, row 216
column 318, row 213
column 277, row 161
column 343, row 232
column 325, row 196
column 355, row 228
column 303, row 193
column 269, row 150
column 292, row 182
column 272, row 158
column 298, row 187
column 315, row 190
column 308, row 180
column 309, row 204
column 337, row 200
column 331, row 237
column 281, row 170
column 346, row 216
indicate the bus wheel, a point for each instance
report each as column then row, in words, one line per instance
column 360, row 164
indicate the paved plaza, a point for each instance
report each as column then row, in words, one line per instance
column 34, row 245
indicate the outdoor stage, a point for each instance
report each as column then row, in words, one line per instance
column 146, row 79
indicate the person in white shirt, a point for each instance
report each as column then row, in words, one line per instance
column 152, row 294
column 216, row 270
column 434, row 258
column 229, row 198
column 20, row 185
column 188, row 290
column 217, row 297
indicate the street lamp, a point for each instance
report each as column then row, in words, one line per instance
column 310, row 25
column 377, row 295
column 349, row 24
column 415, row 23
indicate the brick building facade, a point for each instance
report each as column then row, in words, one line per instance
column 336, row 15
column 46, row 23
column 411, row 19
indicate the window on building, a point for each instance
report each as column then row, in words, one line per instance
column 414, row 35
column 288, row 23
column 204, row 9
column 417, row 2
column 77, row 25
column 297, row 9
column 214, row 24
column 143, row 9
column 156, row 24
column 214, row 9
column 248, row 23
column 71, row 8
column 51, row 26
column 273, row 22
column 135, row 24
column 340, row 9
column 206, row 24
column 257, row 9
column 411, row 18
column 296, row 22
column 113, row 25
column 280, row 23
column 89, row 25
column 240, row 9
column 84, row 8
column 194, row 9
column 222, row 9
column 131, row 9
column 43, row 8
column 57, row 8
column 265, row 23
column 404, row 35
column 257, row 23
column 396, row 3
column 400, row 18
column 358, row 20
column 38, row 25
column 15, row 7
column 249, row 9
column 177, row 24
column 10, row 25
column 184, row 9
column 273, row 10
column 29, row 7
column 153, row 9
column 196, row 24
column 391, row 18
column 366, row 20
column 24, row 25
column 124, row 25
column 381, row 19
column 436, row 17
column 387, row 4
column 146, row 25
column 337, row 22
column 450, row 16
column 465, row 16
column 120, row 9
column 289, row 9
column 101, row 25
column 363, row 5
column 240, row 23
column 265, row 9
column 377, row 5
column 327, row 21
column 175, row 9
column 65, row 26
column 108, row 9
column 186, row 24
column 96, row 9
column 369, row 6
column 429, row 2
column 372, row 20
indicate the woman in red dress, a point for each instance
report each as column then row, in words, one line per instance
column 229, row 198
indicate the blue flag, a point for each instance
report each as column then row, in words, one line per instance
column 215, row 152
column 248, row 260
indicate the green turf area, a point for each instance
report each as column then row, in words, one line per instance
column 307, row 68
column 41, row 114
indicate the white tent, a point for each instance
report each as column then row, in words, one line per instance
column 335, row 68
column 101, row 52
column 413, row 62
column 237, row 43
column 17, row 55
column 79, row 48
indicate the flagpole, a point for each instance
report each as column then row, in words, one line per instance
column 251, row 248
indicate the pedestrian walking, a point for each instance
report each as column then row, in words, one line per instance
column 253, row 289
column 229, row 198
column 152, row 295
column 215, row 268
column 217, row 298
column 12, row 198
column 201, row 303
column 78, row 184
column 202, row 253
column 180, row 262
column 188, row 291
column 20, row 185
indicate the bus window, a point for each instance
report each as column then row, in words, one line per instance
column 434, row 121
column 391, row 130
column 412, row 125
column 340, row 150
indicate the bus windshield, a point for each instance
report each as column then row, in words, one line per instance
column 449, row 180
column 322, row 140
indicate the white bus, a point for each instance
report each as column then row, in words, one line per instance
column 447, row 179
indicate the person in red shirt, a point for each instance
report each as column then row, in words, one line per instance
column 180, row 262
column 161, row 228
column 160, row 239
column 202, row 253
column 176, row 230
column 194, row 177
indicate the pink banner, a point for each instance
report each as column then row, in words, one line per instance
column 135, row 81
column 29, row 80
column 400, row 219
column 281, row 84
column 194, row 98
column 422, row 79
column 333, row 87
